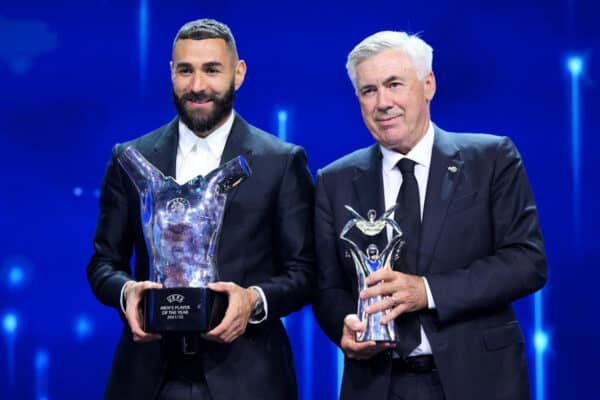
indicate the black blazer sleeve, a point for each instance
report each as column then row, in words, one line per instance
column 290, row 287
column 109, row 267
column 335, row 287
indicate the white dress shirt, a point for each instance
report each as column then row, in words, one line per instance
column 198, row 156
column 392, row 180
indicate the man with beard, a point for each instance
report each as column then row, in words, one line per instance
column 265, row 254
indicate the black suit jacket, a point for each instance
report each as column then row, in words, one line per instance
column 481, row 249
column 266, row 240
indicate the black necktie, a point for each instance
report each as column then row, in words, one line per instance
column 408, row 216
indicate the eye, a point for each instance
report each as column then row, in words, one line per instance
column 184, row 71
column 396, row 84
column 368, row 91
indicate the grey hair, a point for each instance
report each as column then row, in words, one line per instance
column 419, row 52
column 206, row 28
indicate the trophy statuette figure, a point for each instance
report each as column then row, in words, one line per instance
column 371, row 260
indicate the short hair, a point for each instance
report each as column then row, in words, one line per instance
column 419, row 52
column 207, row 28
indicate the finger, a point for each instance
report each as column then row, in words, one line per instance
column 381, row 289
column 394, row 313
column 226, row 323
column 224, row 287
column 386, row 303
column 365, row 350
column 147, row 337
column 351, row 346
column 352, row 324
column 151, row 285
column 383, row 274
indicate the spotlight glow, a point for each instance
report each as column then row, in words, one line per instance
column 10, row 323
column 540, row 340
column 83, row 327
column 41, row 360
column 282, row 117
column 575, row 65
column 16, row 275
column 77, row 191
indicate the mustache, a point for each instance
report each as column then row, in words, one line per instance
column 387, row 114
column 197, row 96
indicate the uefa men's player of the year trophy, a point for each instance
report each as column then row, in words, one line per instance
column 181, row 225
column 371, row 260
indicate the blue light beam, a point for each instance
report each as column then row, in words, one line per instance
column 307, row 353
column 540, row 343
column 143, row 44
column 10, row 325
column 575, row 66
column 40, row 364
column 282, row 119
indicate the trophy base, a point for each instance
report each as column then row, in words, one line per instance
column 183, row 310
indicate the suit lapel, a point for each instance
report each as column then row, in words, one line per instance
column 238, row 144
column 368, row 187
column 445, row 173
column 164, row 153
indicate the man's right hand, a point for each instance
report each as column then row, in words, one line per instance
column 359, row 350
column 133, row 298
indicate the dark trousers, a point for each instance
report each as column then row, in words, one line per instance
column 185, row 379
column 184, row 389
column 416, row 380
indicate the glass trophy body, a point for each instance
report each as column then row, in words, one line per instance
column 181, row 225
column 369, row 261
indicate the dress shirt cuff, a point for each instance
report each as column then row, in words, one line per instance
column 430, row 302
column 260, row 313
column 122, row 296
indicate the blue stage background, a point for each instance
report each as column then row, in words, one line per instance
column 77, row 77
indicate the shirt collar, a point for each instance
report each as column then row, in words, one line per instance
column 215, row 142
column 421, row 153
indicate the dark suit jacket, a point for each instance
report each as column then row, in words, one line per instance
column 481, row 249
column 266, row 240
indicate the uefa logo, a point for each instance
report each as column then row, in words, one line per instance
column 175, row 298
column 178, row 205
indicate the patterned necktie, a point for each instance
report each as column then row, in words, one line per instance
column 408, row 216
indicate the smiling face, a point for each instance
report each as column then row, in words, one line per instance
column 394, row 102
column 205, row 75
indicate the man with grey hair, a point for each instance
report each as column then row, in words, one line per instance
column 265, row 253
column 472, row 242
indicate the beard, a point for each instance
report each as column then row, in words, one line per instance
column 198, row 122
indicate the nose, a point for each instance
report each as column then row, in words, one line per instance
column 384, row 100
column 198, row 83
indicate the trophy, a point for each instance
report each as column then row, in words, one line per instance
column 371, row 260
column 181, row 225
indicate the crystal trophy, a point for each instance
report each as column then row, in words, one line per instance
column 369, row 261
column 181, row 225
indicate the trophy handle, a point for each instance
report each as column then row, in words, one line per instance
column 138, row 168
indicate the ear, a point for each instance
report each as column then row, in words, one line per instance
column 240, row 73
column 172, row 69
column 429, row 85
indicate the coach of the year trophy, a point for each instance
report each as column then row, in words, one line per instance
column 181, row 225
column 371, row 260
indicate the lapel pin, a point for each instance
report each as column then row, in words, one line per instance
column 452, row 169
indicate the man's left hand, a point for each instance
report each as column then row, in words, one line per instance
column 401, row 293
column 241, row 303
